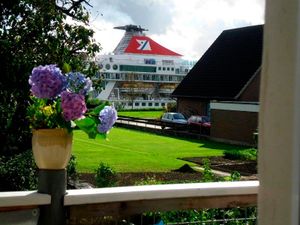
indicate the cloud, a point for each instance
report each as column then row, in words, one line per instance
column 152, row 14
column 187, row 27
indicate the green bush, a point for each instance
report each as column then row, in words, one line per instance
column 105, row 176
column 18, row 173
column 249, row 154
column 207, row 175
column 71, row 169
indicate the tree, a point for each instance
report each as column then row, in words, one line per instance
column 32, row 33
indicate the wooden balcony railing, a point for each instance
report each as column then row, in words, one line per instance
column 88, row 204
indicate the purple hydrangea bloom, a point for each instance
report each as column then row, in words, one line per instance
column 47, row 81
column 73, row 105
column 107, row 117
column 78, row 83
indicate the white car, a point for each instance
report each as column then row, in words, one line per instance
column 173, row 117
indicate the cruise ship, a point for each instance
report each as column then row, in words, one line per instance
column 140, row 73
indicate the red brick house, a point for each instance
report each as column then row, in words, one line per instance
column 224, row 84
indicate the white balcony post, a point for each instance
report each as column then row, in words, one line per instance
column 279, row 121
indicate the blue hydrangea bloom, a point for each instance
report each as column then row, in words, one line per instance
column 107, row 117
column 47, row 81
column 78, row 83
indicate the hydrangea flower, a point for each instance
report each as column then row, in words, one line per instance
column 59, row 101
column 47, row 81
column 78, row 83
column 108, row 117
column 73, row 105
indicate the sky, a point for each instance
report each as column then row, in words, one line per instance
column 187, row 27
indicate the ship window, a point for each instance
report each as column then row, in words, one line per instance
column 115, row 67
column 101, row 66
column 168, row 62
column 172, row 69
column 159, row 68
column 107, row 66
column 132, row 68
column 164, row 68
column 150, row 61
column 168, row 68
column 177, row 71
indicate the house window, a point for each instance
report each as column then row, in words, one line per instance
column 137, row 104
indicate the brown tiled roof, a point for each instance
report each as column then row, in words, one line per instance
column 226, row 66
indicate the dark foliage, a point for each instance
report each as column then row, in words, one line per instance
column 18, row 173
column 32, row 33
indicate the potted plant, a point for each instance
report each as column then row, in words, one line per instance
column 59, row 105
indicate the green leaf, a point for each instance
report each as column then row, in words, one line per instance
column 88, row 125
column 66, row 68
column 97, row 109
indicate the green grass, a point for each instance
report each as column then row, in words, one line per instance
column 134, row 151
column 142, row 114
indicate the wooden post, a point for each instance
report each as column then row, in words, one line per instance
column 53, row 182
column 279, row 117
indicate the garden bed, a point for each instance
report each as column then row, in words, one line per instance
column 128, row 179
column 244, row 167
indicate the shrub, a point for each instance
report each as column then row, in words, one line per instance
column 249, row 154
column 71, row 169
column 105, row 176
column 18, row 173
column 207, row 175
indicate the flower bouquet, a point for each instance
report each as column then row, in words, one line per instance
column 61, row 103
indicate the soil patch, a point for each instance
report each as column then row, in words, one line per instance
column 244, row 167
column 128, row 179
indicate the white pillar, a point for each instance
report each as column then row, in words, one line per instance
column 279, row 119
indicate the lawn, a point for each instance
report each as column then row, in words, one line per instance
column 142, row 114
column 135, row 151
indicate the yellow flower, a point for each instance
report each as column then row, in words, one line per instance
column 47, row 110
